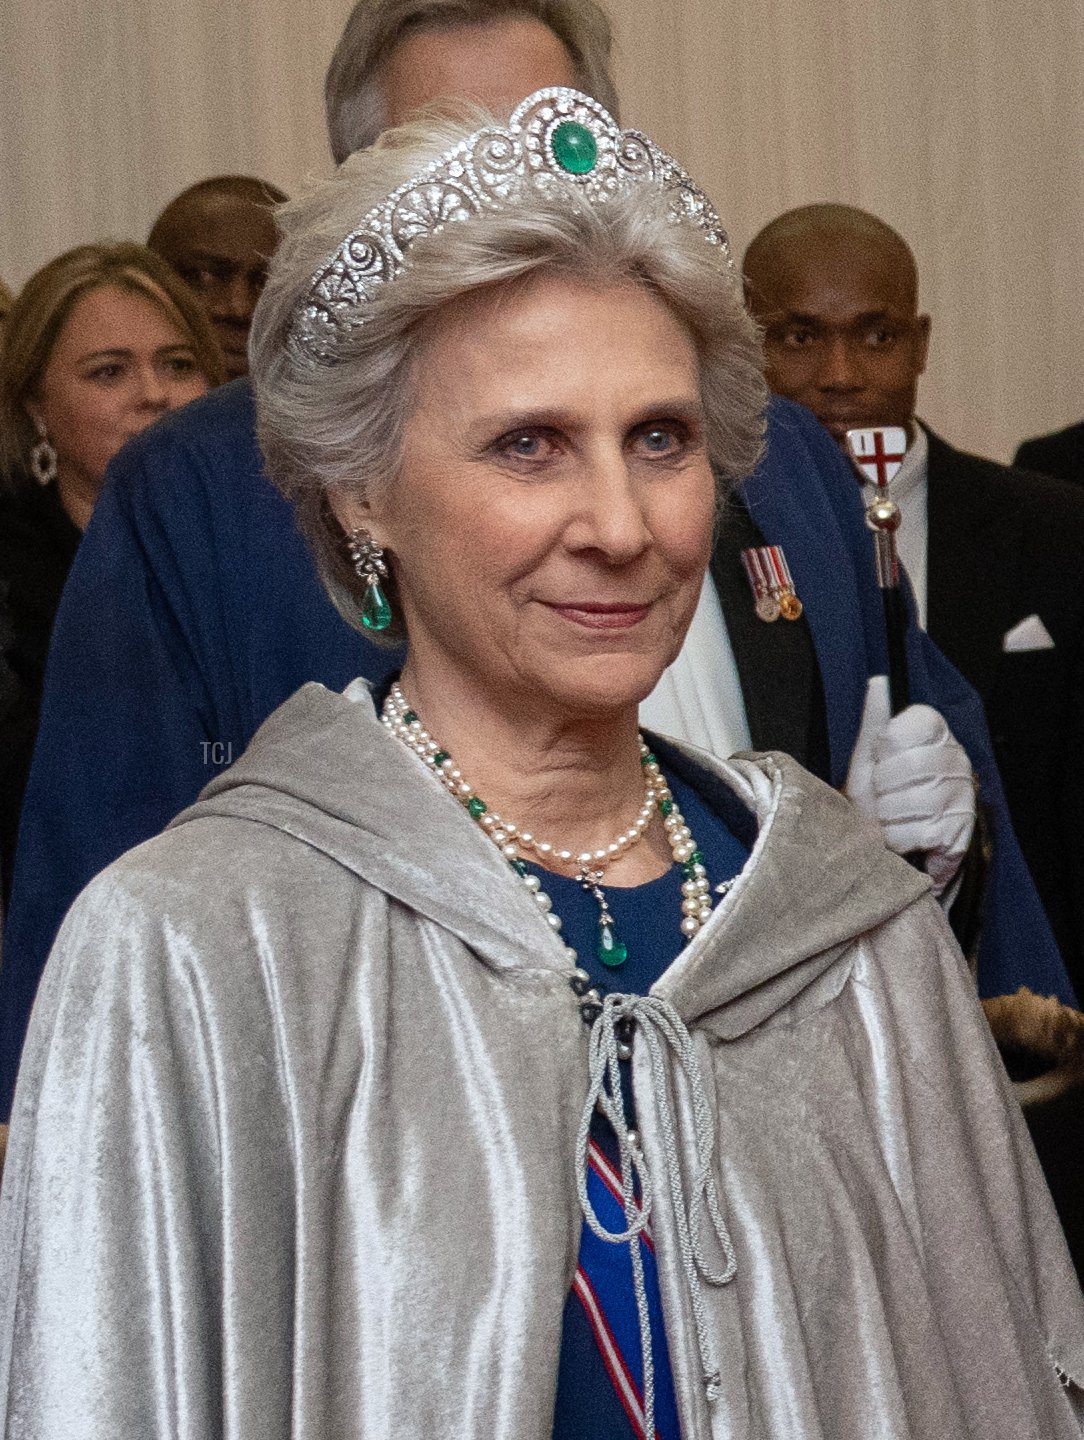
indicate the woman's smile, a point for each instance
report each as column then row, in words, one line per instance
column 599, row 614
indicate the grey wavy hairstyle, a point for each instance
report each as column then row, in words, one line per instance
column 337, row 428
column 354, row 99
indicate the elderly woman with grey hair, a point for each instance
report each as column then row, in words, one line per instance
column 464, row 1063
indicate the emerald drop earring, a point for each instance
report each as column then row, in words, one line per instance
column 370, row 566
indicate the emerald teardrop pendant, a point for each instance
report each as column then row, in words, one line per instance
column 375, row 610
column 610, row 950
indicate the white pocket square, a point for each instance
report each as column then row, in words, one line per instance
column 1030, row 634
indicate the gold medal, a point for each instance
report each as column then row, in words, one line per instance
column 790, row 607
column 771, row 582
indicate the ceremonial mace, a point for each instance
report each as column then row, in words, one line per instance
column 877, row 454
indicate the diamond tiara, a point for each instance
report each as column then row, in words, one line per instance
column 557, row 140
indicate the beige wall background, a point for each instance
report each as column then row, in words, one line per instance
column 960, row 123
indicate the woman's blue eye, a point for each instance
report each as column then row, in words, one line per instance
column 523, row 445
column 662, row 440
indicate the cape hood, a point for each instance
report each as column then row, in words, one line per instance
column 325, row 770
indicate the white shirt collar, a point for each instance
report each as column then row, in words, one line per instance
column 912, row 471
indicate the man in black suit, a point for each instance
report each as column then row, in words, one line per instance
column 995, row 555
column 1060, row 454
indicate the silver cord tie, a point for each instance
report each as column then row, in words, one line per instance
column 660, row 1026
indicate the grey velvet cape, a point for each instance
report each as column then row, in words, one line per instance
column 293, row 1146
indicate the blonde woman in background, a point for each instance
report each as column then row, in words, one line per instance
column 100, row 342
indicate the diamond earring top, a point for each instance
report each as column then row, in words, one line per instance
column 370, row 566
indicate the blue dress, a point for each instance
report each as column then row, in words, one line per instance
column 600, row 1378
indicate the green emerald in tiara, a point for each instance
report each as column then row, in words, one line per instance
column 556, row 131
column 574, row 147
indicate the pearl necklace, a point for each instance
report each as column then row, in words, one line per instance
column 590, row 865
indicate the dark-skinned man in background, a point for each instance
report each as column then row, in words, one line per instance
column 219, row 235
column 996, row 556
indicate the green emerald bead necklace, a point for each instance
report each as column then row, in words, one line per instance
column 588, row 866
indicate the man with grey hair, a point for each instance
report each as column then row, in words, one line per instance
column 395, row 57
column 193, row 609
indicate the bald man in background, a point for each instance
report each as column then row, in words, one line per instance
column 219, row 235
column 995, row 555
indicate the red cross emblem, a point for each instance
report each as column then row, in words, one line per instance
column 878, row 452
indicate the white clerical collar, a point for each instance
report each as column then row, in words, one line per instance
column 912, row 471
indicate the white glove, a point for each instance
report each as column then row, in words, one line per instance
column 910, row 775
